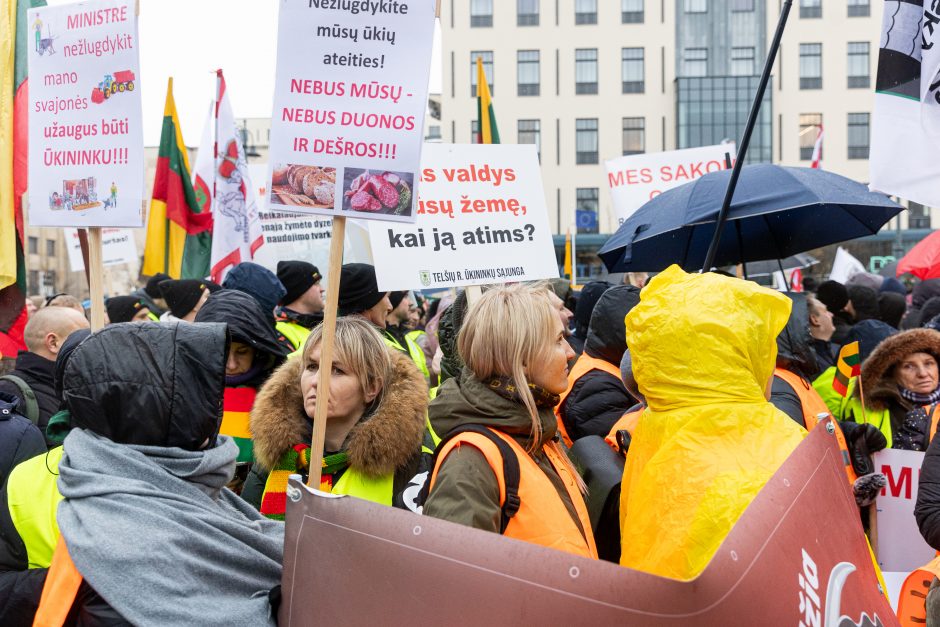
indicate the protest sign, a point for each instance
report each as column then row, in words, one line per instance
column 635, row 179
column 86, row 162
column 481, row 219
column 901, row 548
column 778, row 566
column 349, row 102
column 117, row 245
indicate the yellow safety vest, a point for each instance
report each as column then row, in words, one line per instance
column 295, row 333
column 33, row 497
column 411, row 349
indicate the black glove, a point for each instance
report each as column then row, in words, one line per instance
column 862, row 440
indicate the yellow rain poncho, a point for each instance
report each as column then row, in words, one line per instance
column 703, row 349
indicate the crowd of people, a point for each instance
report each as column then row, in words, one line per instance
column 157, row 450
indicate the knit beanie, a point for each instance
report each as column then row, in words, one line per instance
column 358, row 289
column 833, row 295
column 396, row 297
column 297, row 277
column 153, row 284
column 122, row 308
column 182, row 296
column 258, row 282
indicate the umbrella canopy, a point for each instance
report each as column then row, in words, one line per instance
column 776, row 212
column 766, row 268
column 924, row 259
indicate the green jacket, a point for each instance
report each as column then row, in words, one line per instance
column 466, row 491
column 850, row 407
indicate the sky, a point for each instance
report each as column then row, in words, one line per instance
column 190, row 39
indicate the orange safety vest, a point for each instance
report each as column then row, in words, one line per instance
column 628, row 422
column 58, row 593
column 815, row 409
column 584, row 365
column 542, row 517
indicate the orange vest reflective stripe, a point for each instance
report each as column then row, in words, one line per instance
column 58, row 593
column 934, row 419
column 584, row 365
column 542, row 517
column 628, row 423
column 912, row 601
column 813, row 406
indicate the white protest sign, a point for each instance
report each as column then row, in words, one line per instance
column 118, row 246
column 900, row 545
column 635, row 179
column 86, row 157
column 482, row 219
column 349, row 102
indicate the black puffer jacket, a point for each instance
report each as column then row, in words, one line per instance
column 590, row 294
column 19, row 438
column 598, row 399
column 37, row 372
column 794, row 353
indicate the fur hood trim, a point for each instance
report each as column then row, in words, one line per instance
column 876, row 371
column 382, row 442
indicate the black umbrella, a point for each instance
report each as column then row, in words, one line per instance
column 776, row 212
column 766, row 268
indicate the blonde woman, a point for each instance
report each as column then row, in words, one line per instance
column 375, row 422
column 500, row 467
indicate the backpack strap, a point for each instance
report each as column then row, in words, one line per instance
column 32, row 405
column 511, row 472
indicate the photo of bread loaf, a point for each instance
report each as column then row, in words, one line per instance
column 303, row 186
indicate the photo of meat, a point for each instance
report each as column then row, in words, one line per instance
column 375, row 191
column 303, row 186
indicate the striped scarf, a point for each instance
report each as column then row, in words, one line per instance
column 236, row 405
column 297, row 461
column 920, row 399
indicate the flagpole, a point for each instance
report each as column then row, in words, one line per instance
column 746, row 139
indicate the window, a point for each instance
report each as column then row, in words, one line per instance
column 585, row 11
column 527, row 72
column 810, row 124
column 631, row 11
column 632, row 72
column 586, row 140
column 741, row 6
column 696, row 61
column 696, row 6
column 742, row 61
column 918, row 216
column 530, row 132
column 487, row 56
column 33, row 245
column 859, row 8
column 810, row 66
column 434, row 131
column 858, row 135
column 634, row 136
column 527, row 12
column 587, row 209
column 474, row 131
column 48, row 281
column 585, row 71
column 481, row 13
column 810, row 8
column 50, row 248
column 858, row 64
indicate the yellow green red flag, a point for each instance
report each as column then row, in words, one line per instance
column 849, row 365
column 487, row 133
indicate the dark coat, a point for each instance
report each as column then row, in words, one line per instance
column 19, row 438
column 927, row 509
column 590, row 294
column 597, row 400
column 38, row 373
column 795, row 344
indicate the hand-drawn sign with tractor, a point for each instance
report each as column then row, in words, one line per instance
column 121, row 81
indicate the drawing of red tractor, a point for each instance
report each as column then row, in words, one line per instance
column 120, row 82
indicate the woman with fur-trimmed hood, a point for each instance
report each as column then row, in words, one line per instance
column 901, row 387
column 375, row 423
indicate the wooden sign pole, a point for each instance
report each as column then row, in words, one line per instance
column 95, row 277
column 326, row 352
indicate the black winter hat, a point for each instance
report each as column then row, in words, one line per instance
column 258, row 282
column 833, row 295
column 122, row 308
column 396, row 297
column 297, row 277
column 864, row 302
column 153, row 284
column 358, row 289
column 182, row 296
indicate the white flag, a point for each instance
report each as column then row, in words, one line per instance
column 224, row 185
column 845, row 266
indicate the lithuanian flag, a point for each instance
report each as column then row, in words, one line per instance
column 14, row 105
column 236, row 408
column 179, row 234
column 848, row 366
column 487, row 133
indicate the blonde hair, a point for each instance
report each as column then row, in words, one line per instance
column 361, row 351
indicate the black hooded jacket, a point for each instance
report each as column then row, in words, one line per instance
column 598, row 399
column 37, row 372
column 794, row 353
column 923, row 291
column 590, row 294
